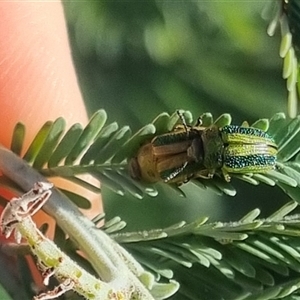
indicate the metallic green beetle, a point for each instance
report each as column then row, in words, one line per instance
column 234, row 149
column 195, row 151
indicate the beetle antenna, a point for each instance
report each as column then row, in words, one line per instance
column 183, row 121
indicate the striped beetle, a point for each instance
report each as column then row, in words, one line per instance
column 196, row 151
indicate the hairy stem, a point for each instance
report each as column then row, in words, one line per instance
column 99, row 248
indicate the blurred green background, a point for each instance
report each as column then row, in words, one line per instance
column 137, row 59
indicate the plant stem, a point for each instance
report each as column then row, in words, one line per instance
column 101, row 251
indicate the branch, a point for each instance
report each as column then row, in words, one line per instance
column 112, row 263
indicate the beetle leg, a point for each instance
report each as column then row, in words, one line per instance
column 199, row 122
column 226, row 175
column 176, row 172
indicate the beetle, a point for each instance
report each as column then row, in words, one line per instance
column 196, row 151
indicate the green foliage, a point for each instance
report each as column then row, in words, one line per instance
column 287, row 17
column 246, row 259
column 105, row 150
column 157, row 56
column 251, row 258
column 4, row 294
